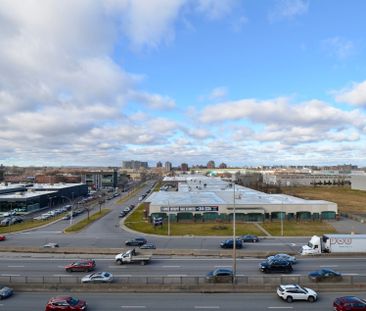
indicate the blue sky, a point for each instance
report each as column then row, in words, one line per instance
column 242, row 82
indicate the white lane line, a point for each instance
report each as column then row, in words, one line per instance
column 15, row 266
column 329, row 266
column 133, row 307
column 119, row 267
column 207, row 307
column 177, row 275
column 222, row 267
column 62, row 275
column 170, row 266
column 280, row 307
column 10, row 274
column 123, row 275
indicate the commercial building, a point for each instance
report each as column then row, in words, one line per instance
column 26, row 198
column 358, row 182
column 100, row 179
column 135, row 165
column 202, row 198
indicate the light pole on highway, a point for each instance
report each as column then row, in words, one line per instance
column 234, row 237
column 72, row 207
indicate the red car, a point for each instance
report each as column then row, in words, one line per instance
column 83, row 266
column 349, row 303
column 2, row 238
column 66, row 303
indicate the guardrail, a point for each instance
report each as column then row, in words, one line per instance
column 181, row 281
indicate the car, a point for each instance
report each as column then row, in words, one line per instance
column 220, row 275
column 50, row 245
column 349, row 303
column 291, row 292
column 275, row 265
column 5, row 292
column 291, row 259
column 2, row 237
column 229, row 243
column 139, row 241
column 5, row 221
column 98, row 277
column 66, row 303
column 249, row 238
column 82, row 265
column 122, row 214
column 325, row 275
column 148, row 246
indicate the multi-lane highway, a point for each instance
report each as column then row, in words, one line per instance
column 174, row 301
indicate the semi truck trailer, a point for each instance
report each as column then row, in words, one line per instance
column 335, row 243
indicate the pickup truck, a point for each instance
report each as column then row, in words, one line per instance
column 132, row 257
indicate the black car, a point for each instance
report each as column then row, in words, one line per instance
column 229, row 243
column 136, row 242
column 220, row 275
column 275, row 265
column 325, row 275
column 249, row 238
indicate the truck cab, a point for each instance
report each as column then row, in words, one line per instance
column 314, row 246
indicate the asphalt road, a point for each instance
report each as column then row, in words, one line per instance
column 25, row 265
column 175, row 301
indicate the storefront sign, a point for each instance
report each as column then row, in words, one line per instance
column 189, row 209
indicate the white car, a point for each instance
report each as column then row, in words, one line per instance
column 50, row 245
column 291, row 292
column 98, row 277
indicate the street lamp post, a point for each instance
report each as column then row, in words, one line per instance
column 72, row 207
column 234, row 239
column 282, row 217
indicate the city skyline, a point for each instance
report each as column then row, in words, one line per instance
column 246, row 83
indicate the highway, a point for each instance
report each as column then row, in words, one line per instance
column 31, row 265
column 173, row 301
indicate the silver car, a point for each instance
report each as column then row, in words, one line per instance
column 98, row 277
column 5, row 292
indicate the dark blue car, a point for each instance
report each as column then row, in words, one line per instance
column 229, row 243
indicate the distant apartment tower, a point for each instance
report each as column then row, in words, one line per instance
column 168, row 166
column 184, row 167
column 211, row 164
column 159, row 164
column 135, row 165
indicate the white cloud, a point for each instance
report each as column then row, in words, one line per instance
column 354, row 95
column 153, row 101
column 338, row 47
column 218, row 93
column 288, row 9
column 216, row 9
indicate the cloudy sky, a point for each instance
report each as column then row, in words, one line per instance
column 245, row 82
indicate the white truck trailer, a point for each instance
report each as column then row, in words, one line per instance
column 132, row 257
column 335, row 243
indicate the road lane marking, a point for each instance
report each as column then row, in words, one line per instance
column 329, row 266
column 119, row 267
column 123, row 275
column 62, row 275
column 207, row 307
column 177, row 275
column 133, row 307
column 10, row 274
column 170, row 266
column 15, row 266
column 280, row 307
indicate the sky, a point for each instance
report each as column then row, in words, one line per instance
column 244, row 82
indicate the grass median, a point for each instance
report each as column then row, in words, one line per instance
column 86, row 222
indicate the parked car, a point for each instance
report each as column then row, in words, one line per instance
column 293, row 292
column 325, row 275
column 136, row 241
column 275, row 265
column 98, row 277
column 249, row 238
column 5, row 292
column 122, row 214
column 50, row 245
column 349, row 303
column 66, row 303
column 220, row 275
column 148, row 246
column 2, row 237
column 229, row 243
column 83, row 265
column 291, row 259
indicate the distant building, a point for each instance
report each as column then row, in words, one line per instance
column 2, row 172
column 184, row 167
column 159, row 164
column 211, row 164
column 100, row 179
column 222, row 165
column 168, row 166
column 358, row 182
column 134, row 165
